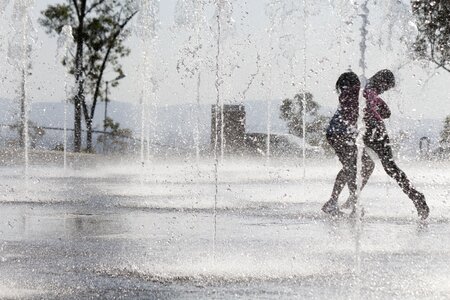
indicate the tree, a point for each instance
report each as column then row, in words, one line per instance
column 116, row 140
column 291, row 111
column 445, row 133
column 99, row 29
column 35, row 133
column 433, row 24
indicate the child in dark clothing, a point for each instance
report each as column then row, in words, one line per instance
column 341, row 134
column 377, row 139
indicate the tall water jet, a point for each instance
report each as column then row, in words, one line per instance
column 271, row 12
column 152, row 117
column 275, row 10
column 223, row 21
column 3, row 5
column 360, row 143
column 219, row 103
column 269, row 126
column 305, row 39
column 346, row 12
column 222, row 16
column 197, row 120
column 284, row 19
column 19, row 56
column 146, row 30
column 252, row 77
column 189, row 15
column 65, row 43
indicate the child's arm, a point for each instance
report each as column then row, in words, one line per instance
column 379, row 108
column 383, row 109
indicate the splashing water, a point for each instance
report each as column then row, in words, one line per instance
column 224, row 27
column 305, row 85
column 285, row 16
column 19, row 56
column 223, row 19
column 198, row 25
column 146, row 29
column 3, row 5
column 360, row 144
column 64, row 45
column 189, row 15
column 269, row 238
column 272, row 11
column 186, row 13
column 147, row 20
column 224, row 15
column 252, row 77
column 281, row 11
column 399, row 21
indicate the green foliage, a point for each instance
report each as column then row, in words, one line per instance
column 99, row 31
column 117, row 139
column 291, row 111
column 35, row 133
column 55, row 17
column 433, row 23
column 103, row 33
column 445, row 133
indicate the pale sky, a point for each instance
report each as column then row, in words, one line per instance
column 332, row 45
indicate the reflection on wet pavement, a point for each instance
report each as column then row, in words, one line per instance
column 77, row 238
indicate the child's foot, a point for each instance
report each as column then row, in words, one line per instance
column 331, row 208
column 350, row 203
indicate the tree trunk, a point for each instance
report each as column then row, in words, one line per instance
column 89, row 117
column 22, row 111
column 89, row 136
column 77, row 125
column 79, row 98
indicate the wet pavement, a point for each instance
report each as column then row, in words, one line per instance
column 123, row 233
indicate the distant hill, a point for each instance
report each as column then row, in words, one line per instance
column 173, row 125
column 51, row 114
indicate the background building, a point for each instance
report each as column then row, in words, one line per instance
column 233, row 125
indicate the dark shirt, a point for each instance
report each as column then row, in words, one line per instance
column 343, row 123
column 349, row 107
column 376, row 108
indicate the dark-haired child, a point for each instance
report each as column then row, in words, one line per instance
column 341, row 135
column 377, row 138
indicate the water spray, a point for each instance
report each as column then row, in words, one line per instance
column 216, row 118
column 360, row 141
column 146, row 30
column 279, row 11
column 189, row 16
column 305, row 29
column 199, row 22
column 65, row 42
column 223, row 13
column 19, row 55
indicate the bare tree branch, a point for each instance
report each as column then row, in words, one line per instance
column 94, row 5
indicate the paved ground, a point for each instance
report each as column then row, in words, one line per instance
column 126, row 232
